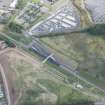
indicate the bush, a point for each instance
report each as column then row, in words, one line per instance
column 15, row 27
column 80, row 102
column 97, row 29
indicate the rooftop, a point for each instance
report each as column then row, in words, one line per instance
column 4, row 4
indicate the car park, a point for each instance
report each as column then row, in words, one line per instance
column 63, row 20
column 97, row 10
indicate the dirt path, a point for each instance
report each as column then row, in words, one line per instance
column 9, row 76
column 7, row 91
column 85, row 16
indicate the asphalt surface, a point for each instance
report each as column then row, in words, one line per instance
column 4, row 4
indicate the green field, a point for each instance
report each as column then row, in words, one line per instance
column 47, row 84
column 87, row 50
column 40, row 84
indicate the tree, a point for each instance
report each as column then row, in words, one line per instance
column 15, row 27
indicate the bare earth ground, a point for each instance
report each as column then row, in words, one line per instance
column 11, row 75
